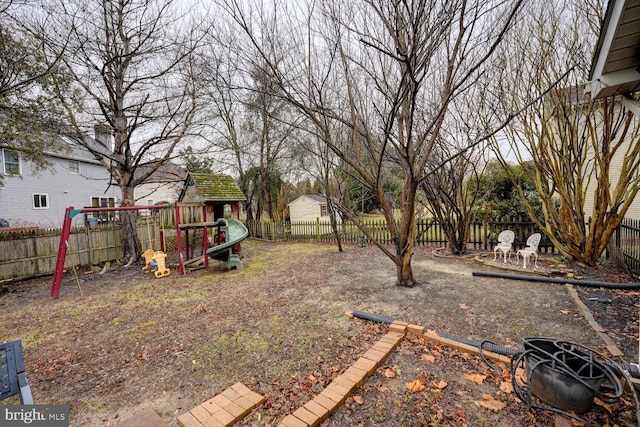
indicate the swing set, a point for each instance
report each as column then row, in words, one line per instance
column 69, row 214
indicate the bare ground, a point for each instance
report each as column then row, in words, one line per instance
column 279, row 326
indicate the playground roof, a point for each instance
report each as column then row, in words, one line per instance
column 212, row 188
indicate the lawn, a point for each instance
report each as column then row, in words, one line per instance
column 279, row 327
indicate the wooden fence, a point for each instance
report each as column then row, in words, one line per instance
column 33, row 251
column 483, row 235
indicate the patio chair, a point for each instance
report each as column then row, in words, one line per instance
column 505, row 240
column 532, row 249
column 13, row 379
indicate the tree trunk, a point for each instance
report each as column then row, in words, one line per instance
column 404, row 271
column 130, row 240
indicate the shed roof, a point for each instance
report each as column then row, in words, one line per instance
column 315, row 197
column 215, row 188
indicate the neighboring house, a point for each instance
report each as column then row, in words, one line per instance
column 164, row 185
column 309, row 208
column 615, row 70
column 39, row 198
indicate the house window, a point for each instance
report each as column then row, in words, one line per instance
column 324, row 211
column 103, row 202
column 10, row 162
column 40, row 201
column 74, row 166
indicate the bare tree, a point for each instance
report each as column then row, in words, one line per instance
column 131, row 64
column 30, row 118
column 389, row 72
column 575, row 143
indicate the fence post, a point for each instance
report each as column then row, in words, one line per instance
column 317, row 229
column 485, row 237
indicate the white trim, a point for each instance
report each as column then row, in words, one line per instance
column 596, row 81
column 33, row 201
column 3, row 170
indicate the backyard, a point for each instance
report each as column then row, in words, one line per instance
column 281, row 327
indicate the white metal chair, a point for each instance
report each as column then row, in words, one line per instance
column 505, row 240
column 532, row 249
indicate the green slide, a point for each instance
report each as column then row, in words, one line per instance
column 235, row 232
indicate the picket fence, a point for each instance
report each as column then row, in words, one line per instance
column 33, row 251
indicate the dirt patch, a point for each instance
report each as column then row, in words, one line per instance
column 279, row 326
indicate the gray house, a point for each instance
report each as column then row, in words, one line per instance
column 38, row 198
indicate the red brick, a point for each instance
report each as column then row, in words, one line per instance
column 211, row 406
column 376, row 356
column 358, row 380
column 188, row 420
column 318, row 410
column 366, row 365
column 200, row 413
column 220, row 400
column 291, row 421
column 241, row 389
column 416, row 330
column 362, row 373
column 345, row 381
column 340, row 388
column 307, row 416
column 256, row 398
column 334, row 395
column 398, row 326
column 236, row 410
column 230, row 394
column 245, row 403
column 224, row 417
column 327, row 403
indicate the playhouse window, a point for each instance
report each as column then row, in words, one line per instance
column 324, row 211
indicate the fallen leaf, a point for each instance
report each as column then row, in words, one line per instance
column 463, row 306
column 389, row 372
column 506, row 387
column 491, row 404
column 603, row 404
column 565, row 311
column 382, row 389
column 440, row 385
column 312, row 379
column 561, row 421
column 521, row 377
column 429, row 358
column 415, row 385
column 476, row 378
column 358, row 400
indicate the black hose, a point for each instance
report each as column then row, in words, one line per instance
column 633, row 369
column 531, row 278
column 372, row 317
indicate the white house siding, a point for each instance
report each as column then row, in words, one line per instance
column 152, row 193
column 614, row 175
column 62, row 188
